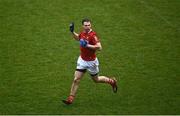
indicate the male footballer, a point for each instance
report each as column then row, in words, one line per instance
column 87, row 61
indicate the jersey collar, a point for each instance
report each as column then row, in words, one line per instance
column 89, row 31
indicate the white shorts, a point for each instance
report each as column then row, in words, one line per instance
column 91, row 66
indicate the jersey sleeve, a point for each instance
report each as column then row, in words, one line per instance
column 95, row 38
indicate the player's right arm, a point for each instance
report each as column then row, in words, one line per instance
column 75, row 35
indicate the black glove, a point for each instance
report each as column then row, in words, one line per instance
column 71, row 27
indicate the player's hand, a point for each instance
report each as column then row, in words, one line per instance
column 71, row 27
column 83, row 43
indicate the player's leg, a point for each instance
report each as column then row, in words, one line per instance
column 77, row 77
column 94, row 70
column 104, row 79
column 80, row 70
column 75, row 84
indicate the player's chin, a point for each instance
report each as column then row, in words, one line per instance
column 87, row 29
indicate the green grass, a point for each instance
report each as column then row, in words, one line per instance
column 140, row 40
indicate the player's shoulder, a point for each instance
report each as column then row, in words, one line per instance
column 93, row 33
column 94, row 36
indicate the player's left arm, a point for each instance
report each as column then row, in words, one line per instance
column 97, row 46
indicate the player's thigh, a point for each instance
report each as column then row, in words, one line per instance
column 94, row 70
column 93, row 67
column 81, row 64
column 95, row 77
column 78, row 75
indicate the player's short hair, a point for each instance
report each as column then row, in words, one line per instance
column 85, row 20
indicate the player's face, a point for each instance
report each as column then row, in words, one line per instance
column 87, row 26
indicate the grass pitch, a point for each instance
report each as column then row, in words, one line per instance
column 140, row 40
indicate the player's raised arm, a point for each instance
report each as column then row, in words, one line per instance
column 75, row 35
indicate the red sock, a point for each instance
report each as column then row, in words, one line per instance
column 110, row 81
column 70, row 98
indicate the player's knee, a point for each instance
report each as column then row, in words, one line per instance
column 96, row 79
column 76, row 80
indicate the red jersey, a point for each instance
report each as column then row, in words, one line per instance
column 86, row 53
